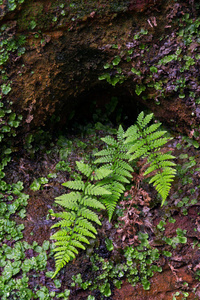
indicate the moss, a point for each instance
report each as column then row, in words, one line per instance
column 32, row 16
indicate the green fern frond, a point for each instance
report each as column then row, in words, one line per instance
column 60, row 262
column 109, row 140
column 162, row 182
column 84, row 168
column 121, row 178
column 139, row 152
column 92, row 202
column 142, row 120
column 112, row 200
column 114, row 158
column 78, row 238
column 86, row 224
column 63, row 223
column 137, row 146
column 103, row 159
column 162, row 164
column 95, row 190
column 72, row 248
column 60, row 247
column 84, row 232
column 125, row 165
column 120, row 134
column 65, row 215
column 88, row 214
column 104, row 186
column 75, row 185
column 146, row 141
column 76, row 223
column 151, row 128
column 61, row 235
column 73, row 196
column 106, row 152
column 69, row 201
column 164, row 156
column 132, row 134
column 101, row 173
column 158, row 143
column 155, row 135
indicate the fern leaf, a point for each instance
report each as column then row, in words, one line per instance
column 76, row 241
column 146, row 141
column 120, row 133
column 95, row 190
column 110, row 203
column 66, row 250
column 101, row 173
column 109, row 141
column 69, row 201
column 132, row 134
column 86, row 224
column 162, row 183
column 140, row 118
column 61, row 261
column 88, row 214
column 160, row 157
column 121, row 178
column 84, row 168
column 84, row 232
column 158, row 143
column 139, row 153
column 91, row 202
column 154, row 136
column 65, row 215
column 137, row 146
column 126, row 166
column 166, row 163
column 105, row 152
column 63, row 246
column 123, row 172
column 162, row 164
column 75, row 185
column 140, row 140
column 72, row 205
column 61, row 235
column 72, row 248
column 73, row 196
column 143, row 121
column 151, row 128
column 63, row 223
column 104, row 159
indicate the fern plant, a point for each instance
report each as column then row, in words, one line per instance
column 101, row 187
column 146, row 140
column 115, row 158
column 77, row 220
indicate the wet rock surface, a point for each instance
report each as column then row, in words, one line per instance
column 67, row 47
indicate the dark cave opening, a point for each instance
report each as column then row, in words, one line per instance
column 104, row 104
